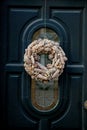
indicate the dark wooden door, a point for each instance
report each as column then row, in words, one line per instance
column 19, row 21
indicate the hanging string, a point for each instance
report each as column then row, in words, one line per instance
column 45, row 36
column 45, row 17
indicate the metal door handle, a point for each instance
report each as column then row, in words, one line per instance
column 85, row 104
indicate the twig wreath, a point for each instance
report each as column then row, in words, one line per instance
column 38, row 71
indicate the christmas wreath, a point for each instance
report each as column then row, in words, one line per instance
column 55, row 54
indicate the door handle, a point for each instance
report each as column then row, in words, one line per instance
column 85, row 104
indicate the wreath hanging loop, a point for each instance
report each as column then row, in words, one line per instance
column 32, row 63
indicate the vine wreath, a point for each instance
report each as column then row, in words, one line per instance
column 32, row 63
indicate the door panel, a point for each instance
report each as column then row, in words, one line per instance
column 72, row 18
column 18, row 17
column 19, row 22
